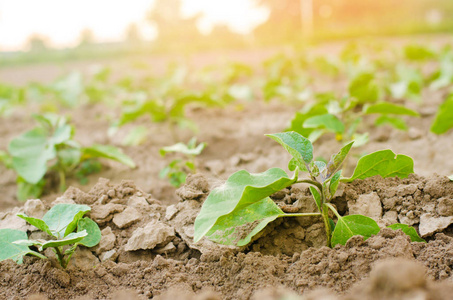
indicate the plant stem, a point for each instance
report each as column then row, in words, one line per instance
column 62, row 179
column 313, row 182
column 325, row 218
column 300, row 215
column 60, row 257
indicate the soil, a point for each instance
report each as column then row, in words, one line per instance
column 147, row 248
column 289, row 260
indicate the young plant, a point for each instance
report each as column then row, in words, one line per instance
column 50, row 147
column 444, row 117
column 238, row 210
column 177, row 169
column 343, row 117
column 66, row 227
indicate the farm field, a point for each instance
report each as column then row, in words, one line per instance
column 146, row 146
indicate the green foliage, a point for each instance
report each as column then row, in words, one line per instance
column 364, row 88
column 410, row 231
column 236, row 212
column 384, row 163
column 418, row 52
column 59, row 223
column 351, row 225
column 50, row 147
column 10, row 250
column 444, row 117
column 178, row 169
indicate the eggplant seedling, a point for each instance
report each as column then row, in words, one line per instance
column 176, row 171
column 237, row 211
column 66, row 227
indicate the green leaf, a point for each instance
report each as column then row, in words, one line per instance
column 27, row 190
column 30, row 143
column 183, row 148
column 62, row 218
column 9, row 250
column 62, row 134
column 444, row 117
column 30, row 153
column 349, row 226
column 392, row 121
column 409, row 230
column 240, row 191
column 384, row 163
column 298, row 146
column 38, row 223
column 293, row 164
column 300, row 117
column 390, row 108
column 364, row 88
column 70, row 239
column 327, row 121
column 334, row 182
column 109, row 152
column 450, row 177
column 337, row 159
column 316, row 196
column 240, row 226
column 93, row 232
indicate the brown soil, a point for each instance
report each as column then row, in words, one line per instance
column 279, row 262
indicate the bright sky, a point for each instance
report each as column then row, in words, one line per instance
column 63, row 20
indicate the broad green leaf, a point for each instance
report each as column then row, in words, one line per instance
column 240, row 191
column 93, row 232
column 70, row 239
column 62, row 219
column 390, row 108
column 337, row 159
column 450, row 177
column 384, row 163
column 327, row 121
column 237, row 228
column 9, row 250
column 316, row 196
column 38, row 223
column 334, row 182
column 31, row 169
column 298, row 146
column 30, row 153
column 444, row 117
column 395, row 122
column 30, row 143
column 409, row 230
column 349, row 226
column 109, row 152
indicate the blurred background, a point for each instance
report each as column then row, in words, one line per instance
column 52, row 30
